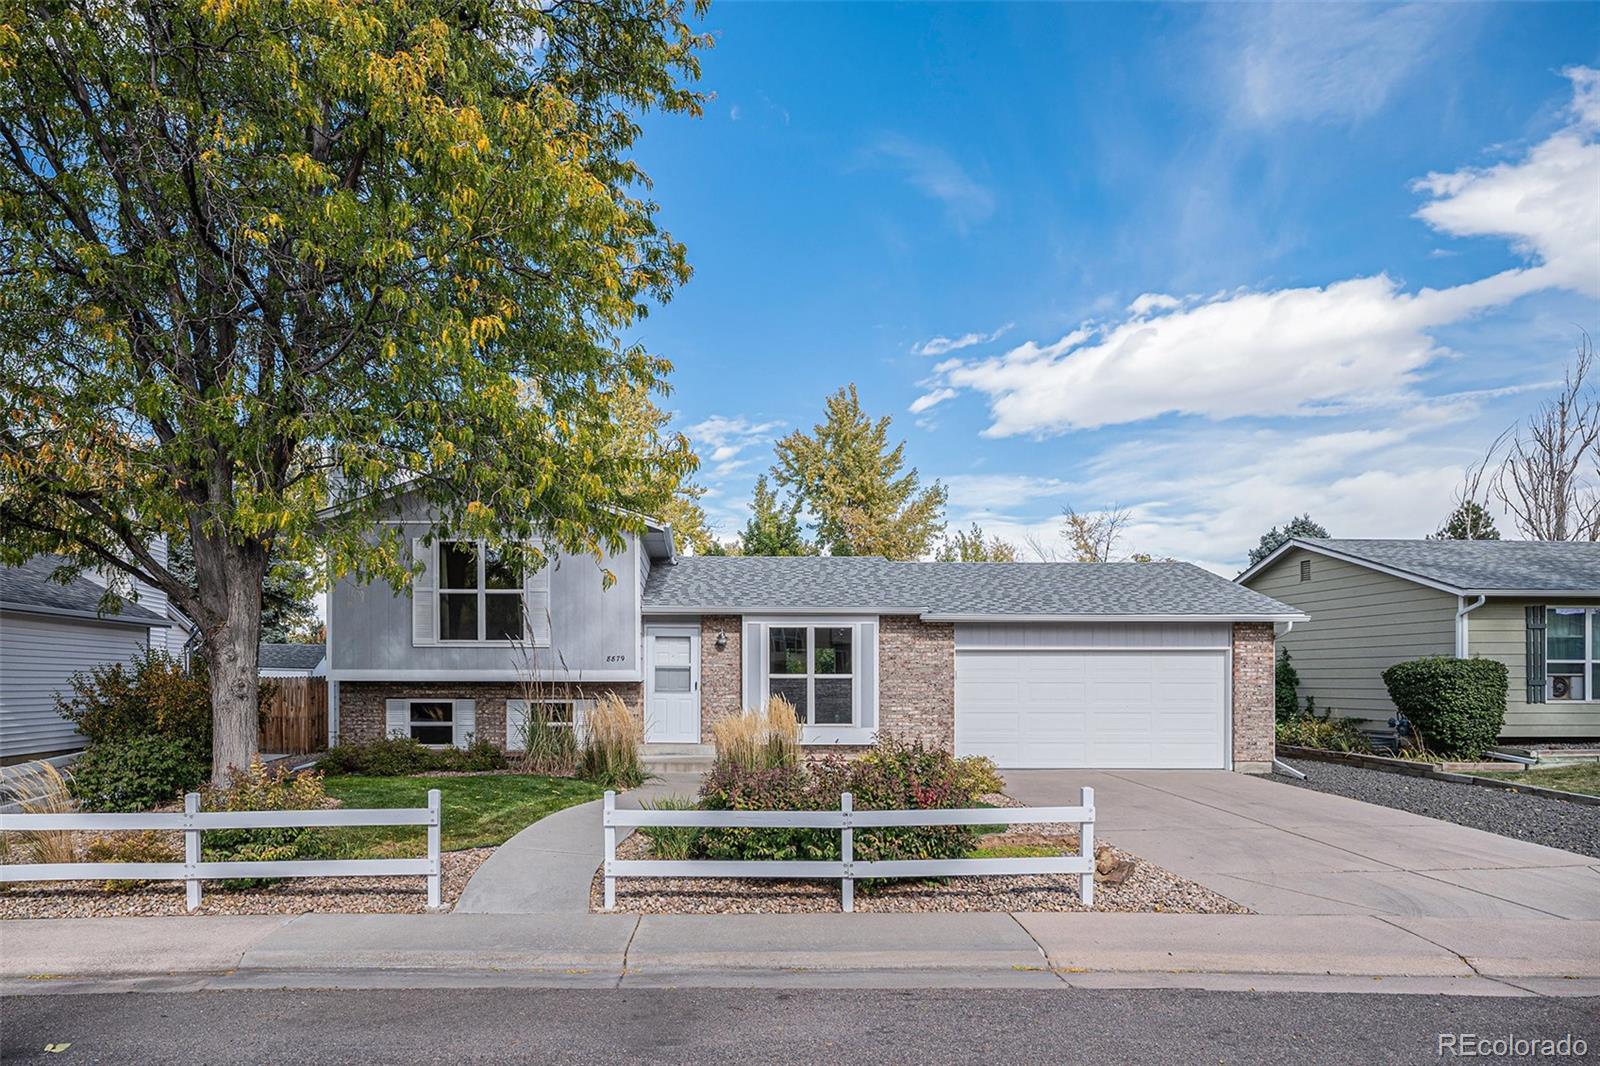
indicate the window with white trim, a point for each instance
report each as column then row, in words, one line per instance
column 480, row 594
column 432, row 722
column 1572, row 662
column 555, row 713
column 814, row 668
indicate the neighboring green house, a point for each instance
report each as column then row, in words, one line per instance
column 1533, row 605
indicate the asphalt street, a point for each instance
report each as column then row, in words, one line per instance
column 767, row 1025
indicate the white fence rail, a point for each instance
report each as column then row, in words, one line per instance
column 193, row 822
column 847, row 868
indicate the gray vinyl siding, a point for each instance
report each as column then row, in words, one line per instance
column 38, row 657
column 1362, row 622
column 1498, row 630
column 977, row 635
column 595, row 631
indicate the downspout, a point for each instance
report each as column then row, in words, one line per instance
column 1463, row 608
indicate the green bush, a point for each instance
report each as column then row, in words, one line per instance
column 135, row 773
column 1286, row 682
column 1457, row 705
column 257, row 788
column 402, row 757
column 1328, row 733
column 673, row 843
column 977, row 776
column 892, row 776
column 151, row 696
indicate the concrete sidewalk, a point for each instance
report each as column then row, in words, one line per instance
column 1332, row 952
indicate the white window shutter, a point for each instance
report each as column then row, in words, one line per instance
column 536, row 600
column 867, row 674
column 754, row 683
column 516, row 725
column 424, row 597
column 465, row 722
column 397, row 718
column 580, row 715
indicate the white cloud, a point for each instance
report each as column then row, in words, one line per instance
column 933, row 172
column 931, row 399
column 942, row 345
column 986, row 492
column 1351, row 344
column 1288, row 62
column 727, row 439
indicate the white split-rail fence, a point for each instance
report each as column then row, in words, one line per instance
column 847, row 868
column 193, row 822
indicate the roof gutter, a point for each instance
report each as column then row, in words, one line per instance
column 1296, row 616
column 87, row 616
column 1463, row 608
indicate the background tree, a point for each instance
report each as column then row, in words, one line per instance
column 1092, row 537
column 257, row 257
column 642, row 429
column 1303, row 527
column 972, row 547
column 774, row 526
column 846, row 474
column 1547, row 476
column 1469, row 521
column 287, row 612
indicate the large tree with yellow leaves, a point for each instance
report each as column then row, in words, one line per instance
column 257, row 256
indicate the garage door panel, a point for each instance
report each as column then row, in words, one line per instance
column 1092, row 709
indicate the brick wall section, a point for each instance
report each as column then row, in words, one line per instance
column 721, row 670
column 361, row 703
column 917, row 680
column 1253, row 697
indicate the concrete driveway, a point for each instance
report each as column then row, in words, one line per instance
column 1283, row 850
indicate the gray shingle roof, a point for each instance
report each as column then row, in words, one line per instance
column 29, row 586
column 1482, row 565
column 289, row 656
column 757, row 583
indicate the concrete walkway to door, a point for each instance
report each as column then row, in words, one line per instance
column 1283, row 850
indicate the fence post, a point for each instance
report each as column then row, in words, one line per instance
column 847, row 852
column 435, row 818
column 1086, row 845
column 611, row 850
column 191, row 851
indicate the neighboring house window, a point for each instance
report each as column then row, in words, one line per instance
column 1570, row 654
column 480, row 595
column 813, row 667
column 1305, row 569
column 433, row 722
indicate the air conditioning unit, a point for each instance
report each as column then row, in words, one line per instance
column 1562, row 685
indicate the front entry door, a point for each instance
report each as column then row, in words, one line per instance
column 672, row 685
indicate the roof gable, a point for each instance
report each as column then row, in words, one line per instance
column 29, row 587
column 1464, row 566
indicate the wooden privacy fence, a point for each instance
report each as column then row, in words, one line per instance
column 294, row 715
column 846, row 820
column 193, row 821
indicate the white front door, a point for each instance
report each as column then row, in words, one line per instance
column 1144, row 710
column 672, row 685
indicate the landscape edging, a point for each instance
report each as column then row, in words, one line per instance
column 1418, row 769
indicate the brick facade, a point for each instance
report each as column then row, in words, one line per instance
column 917, row 680
column 1253, row 697
column 362, row 703
column 721, row 670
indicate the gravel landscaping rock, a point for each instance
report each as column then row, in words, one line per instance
column 1147, row 888
column 1537, row 819
column 321, row 895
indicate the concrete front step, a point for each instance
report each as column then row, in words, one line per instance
column 677, row 758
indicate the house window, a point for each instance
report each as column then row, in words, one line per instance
column 813, row 667
column 480, row 595
column 557, row 713
column 1305, row 569
column 1571, row 670
column 433, row 722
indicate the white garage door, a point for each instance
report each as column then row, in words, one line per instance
column 1147, row 710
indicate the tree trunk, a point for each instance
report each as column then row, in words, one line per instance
column 232, row 649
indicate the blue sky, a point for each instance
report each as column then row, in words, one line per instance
column 1217, row 265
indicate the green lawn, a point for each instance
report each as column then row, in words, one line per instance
column 479, row 811
column 1574, row 777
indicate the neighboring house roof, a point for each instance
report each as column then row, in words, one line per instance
column 29, row 588
column 1466, row 567
column 301, row 657
column 953, row 591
